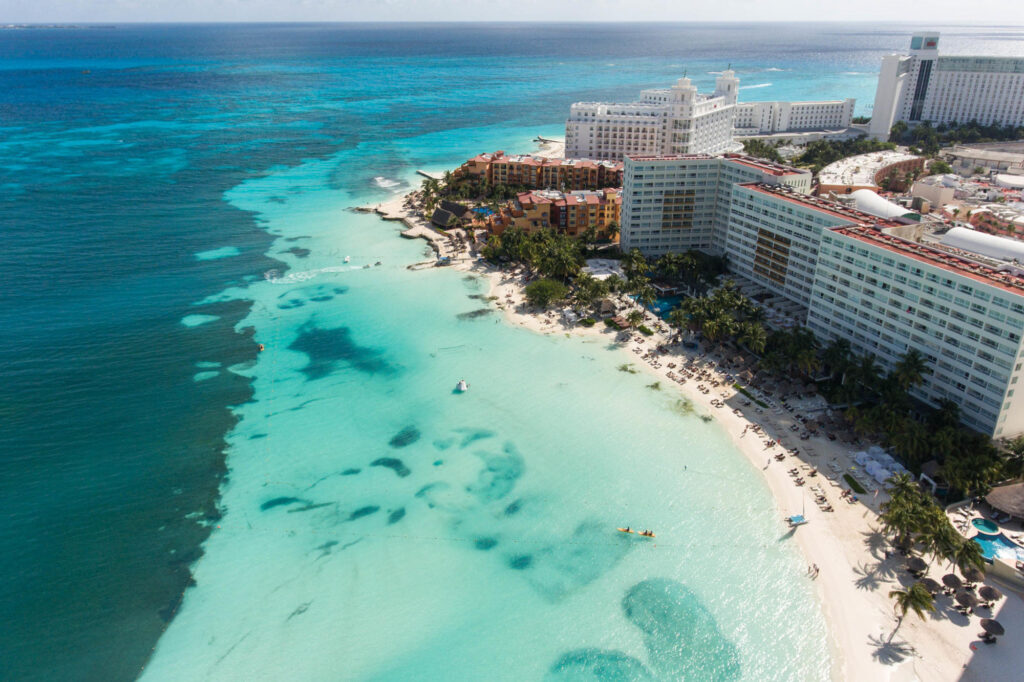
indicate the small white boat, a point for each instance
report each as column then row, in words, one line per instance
column 462, row 386
column 347, row 259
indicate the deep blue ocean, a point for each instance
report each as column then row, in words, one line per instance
column 118, row 149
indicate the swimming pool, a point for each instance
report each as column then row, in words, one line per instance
column 664, row 305
column 985, row 526
column 999, row 546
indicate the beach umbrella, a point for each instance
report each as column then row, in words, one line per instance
column 916, row 564
column 931, row 585
column 992, row 627
column 952, row 581
column 974, row 575
column 967, row 599
column 989, row 593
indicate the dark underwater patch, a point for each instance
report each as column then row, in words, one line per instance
column 680, row 633
column 499, row 475
column 327, row 348
column 471, row 436
column 407, row 436
column 290, row 304
column 279, row 502
column 363, row 511
column 513, row 508
column 322, row 298
column 392, row 463
column 257, row 436
column 485, row 544
column 599, row 666
column 350, row 472
column 396, row 516
column 520, row 562
column 309, row 507
column 298, row 251
column 474, row 314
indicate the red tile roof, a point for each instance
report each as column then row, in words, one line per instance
column 938, row 258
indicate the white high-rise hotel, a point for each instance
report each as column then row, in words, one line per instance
column 674, row 121
column 679, row 120
column 923, row 86
column 851, row 274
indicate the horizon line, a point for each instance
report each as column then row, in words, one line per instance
column 497, row 21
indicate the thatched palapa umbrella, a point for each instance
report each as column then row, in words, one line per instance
column 931, row 585
column 952, row 581
column 916, row 564
column 989, row 593
column 974, row 575
column 965, row 598
column 992, row 627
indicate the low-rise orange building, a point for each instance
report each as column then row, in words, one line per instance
column 569, row 212
column 541, row 172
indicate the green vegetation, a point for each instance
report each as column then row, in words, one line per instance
column 456, row 187
column 821, row 153
column 763, row 150
column 627, row 367
column 544, row 292
column 913, row 519
column 860, row 119
column 854, row 486
column 747, row 393
column 722, row 315
column 939, row 167
column 645, row 330
column 656, row 386
column 683, row 407
column 550, row 253
column 929, row 139
column 916, row 598
column 588, row 322
column 609, row 322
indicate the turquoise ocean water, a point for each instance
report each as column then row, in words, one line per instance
column 328, row 508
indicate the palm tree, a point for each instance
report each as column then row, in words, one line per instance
column 838, row 356
column 753, row 336
column 902, row 486
column 615, row 283
column 634, row 264
column 965, row 554
column 678, row 319
column 612, row 228
column 868, row 372
column 635, row 318
column 910, row 369
column 916, row 598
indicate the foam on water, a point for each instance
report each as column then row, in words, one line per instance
column 196, row 320
column 215, row 254
column 378, row 524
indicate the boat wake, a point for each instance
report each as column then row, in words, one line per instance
column 275, row 277
column 754, row 87
column 388, row 183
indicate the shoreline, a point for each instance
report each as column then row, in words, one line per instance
column 855, row 571
column 855, row 576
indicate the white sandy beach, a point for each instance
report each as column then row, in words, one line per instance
column 855, row 575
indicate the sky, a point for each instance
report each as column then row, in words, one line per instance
column 939, row 12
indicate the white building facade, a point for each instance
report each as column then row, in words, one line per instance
column 849, row 272
column 766, row 118
column 886, row 296
column 922, row 86
column 677, row 203
column 678, row 120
